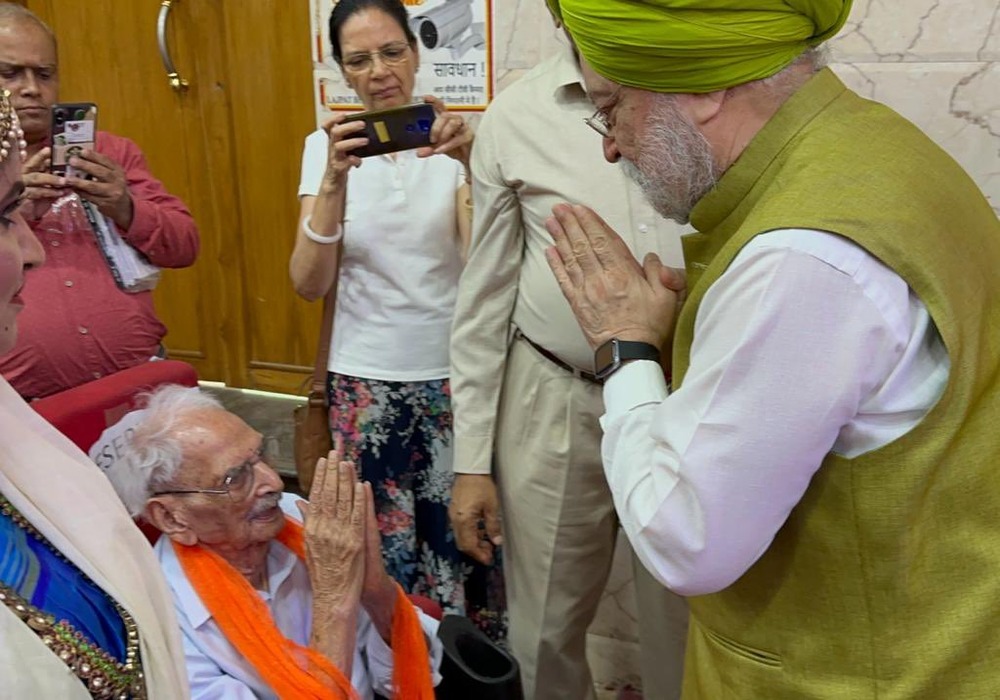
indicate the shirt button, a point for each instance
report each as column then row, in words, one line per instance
column 55, row 244
column 643, row 228
column 68, row 283
column 83, row 330
column 97, row 375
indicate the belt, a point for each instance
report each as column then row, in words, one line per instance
column 581, row 374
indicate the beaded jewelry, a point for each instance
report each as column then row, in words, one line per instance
column 10, row 129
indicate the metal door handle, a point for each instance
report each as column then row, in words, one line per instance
column 176, row 81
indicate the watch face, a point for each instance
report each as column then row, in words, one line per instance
column 604, row 356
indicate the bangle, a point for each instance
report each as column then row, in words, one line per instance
column 317, row 238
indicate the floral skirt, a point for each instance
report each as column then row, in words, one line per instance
column 400, row 436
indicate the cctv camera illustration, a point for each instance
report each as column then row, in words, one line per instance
column 449, row 26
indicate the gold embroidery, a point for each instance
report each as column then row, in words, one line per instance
column 101, row 673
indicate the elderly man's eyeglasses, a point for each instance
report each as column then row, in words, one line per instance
column 391, row 55
column 598, row 121
column 238, row 481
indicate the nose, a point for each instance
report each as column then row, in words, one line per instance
column 28, row 86
column 32, row 253
column 379, row 66
column 611, row 152
column 268, row 480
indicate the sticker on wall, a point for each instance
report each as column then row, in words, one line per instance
column 455, row 41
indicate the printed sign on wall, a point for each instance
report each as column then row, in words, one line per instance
column 455, row 41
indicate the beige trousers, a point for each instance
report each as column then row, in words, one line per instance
column 559, row 531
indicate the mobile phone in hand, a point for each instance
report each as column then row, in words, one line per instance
column 395, row 129
column 74, row 128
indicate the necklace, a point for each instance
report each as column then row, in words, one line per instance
column 103, row 675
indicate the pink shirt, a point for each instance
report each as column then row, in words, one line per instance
column 77, row 325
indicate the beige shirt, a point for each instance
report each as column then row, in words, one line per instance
column 532, row 151
column 66, row 497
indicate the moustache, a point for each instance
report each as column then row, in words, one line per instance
column 266, row 503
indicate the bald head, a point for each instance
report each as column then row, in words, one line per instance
column 14, row 16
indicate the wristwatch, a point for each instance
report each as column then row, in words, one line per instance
column 614, row 353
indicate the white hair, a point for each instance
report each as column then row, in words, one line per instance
column 781, row 85
column 153, row 453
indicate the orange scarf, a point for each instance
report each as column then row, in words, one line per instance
column 295, row 672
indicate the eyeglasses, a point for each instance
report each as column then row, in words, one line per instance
column 600, row 121
column 391, row 55
column 238, row 482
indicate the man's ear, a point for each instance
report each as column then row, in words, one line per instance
column 169, row 521
column 702, row 108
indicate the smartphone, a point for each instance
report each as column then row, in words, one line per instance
column 395, row 129
column 74, row 128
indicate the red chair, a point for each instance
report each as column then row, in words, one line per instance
column 84, row 412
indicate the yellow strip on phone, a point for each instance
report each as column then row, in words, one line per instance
column 381, row 131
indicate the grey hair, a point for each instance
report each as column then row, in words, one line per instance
column 779, row 86
column 153, row 453
column 12, row 12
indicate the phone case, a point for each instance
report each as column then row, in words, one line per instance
column 74, row 128
column 396, row 129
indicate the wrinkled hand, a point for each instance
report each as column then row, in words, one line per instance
column 611, row 294
column 450, row 134
column 41, row 186
column 343, row 139
column 334, row 522
column 474, row 504
column 107, row 187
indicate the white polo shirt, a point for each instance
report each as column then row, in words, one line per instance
column 400, row 266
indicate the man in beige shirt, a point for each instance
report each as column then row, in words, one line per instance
column 523, row 390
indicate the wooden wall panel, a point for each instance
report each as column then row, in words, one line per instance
column 272, row 114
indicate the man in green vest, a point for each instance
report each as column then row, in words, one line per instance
column 821, row 476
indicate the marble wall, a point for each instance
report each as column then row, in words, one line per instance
column 936, row 62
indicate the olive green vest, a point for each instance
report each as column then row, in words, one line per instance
column 884, row 582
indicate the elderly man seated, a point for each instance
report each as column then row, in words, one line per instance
column 271, row 602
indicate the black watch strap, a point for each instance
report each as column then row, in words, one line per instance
column 610, row 356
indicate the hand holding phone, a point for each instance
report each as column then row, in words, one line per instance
column 74, row 128
column 395, row 129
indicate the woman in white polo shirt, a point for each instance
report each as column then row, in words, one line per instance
column 406, row 225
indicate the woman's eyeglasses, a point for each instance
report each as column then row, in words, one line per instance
column 390, row 54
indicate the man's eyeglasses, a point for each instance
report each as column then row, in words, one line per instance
column 238, row 481
column 598, row 121
column 391, row 55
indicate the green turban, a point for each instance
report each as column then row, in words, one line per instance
column 696, row 45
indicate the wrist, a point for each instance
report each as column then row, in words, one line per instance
column 321, row 238
column 618, row 351
column 382, row 598
column 331, row 187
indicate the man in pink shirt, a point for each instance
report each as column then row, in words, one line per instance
column 78, row 325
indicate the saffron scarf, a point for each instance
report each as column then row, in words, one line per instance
column 696, row 46
column 295, row 672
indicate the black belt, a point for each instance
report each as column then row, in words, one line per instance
column 589, row 376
